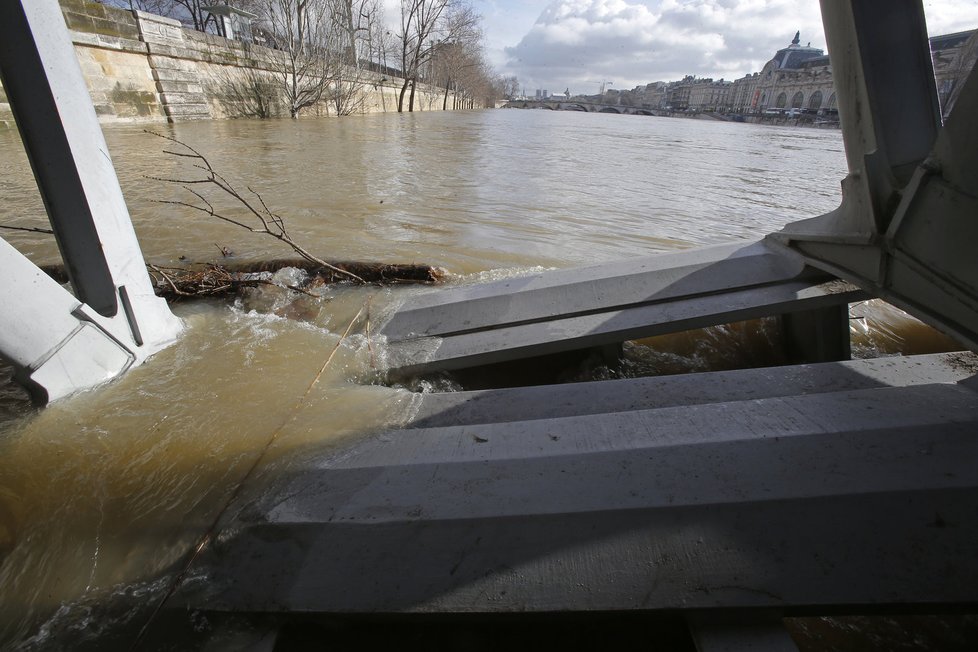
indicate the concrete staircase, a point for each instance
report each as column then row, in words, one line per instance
column 177, row 78
column 784, row 489
column 181, row 93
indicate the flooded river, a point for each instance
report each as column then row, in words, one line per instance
column 102, row 494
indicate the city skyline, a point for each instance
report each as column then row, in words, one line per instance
column 581, row 44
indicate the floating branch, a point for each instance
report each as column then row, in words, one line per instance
column 267, row 222
column 209, row 280
column 29, row 229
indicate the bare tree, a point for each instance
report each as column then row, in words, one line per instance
column 458, row 49
column 158, row 7
column 248, row 92
column 324, row 43
column 258, row 217
column 478, row 84
column 354, row 28
column 200, row 17
column 419, row 22
column 357, row 22
column 192, row 13
column 304, row 32
column 510, row 87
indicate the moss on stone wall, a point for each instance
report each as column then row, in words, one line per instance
column 121, row 84
column 129, row 101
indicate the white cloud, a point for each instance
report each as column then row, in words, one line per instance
column 949, row 16
column 576, row 43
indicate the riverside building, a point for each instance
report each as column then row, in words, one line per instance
column 798, row 81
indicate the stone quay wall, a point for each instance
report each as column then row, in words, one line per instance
column 141, row 67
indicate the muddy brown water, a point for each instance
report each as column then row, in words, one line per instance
column 100, row 494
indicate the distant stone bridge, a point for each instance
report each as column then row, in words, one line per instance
column 577, row 105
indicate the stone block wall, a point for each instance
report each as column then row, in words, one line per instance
column 121, row 84
column 140, row 67
column 6, row 116
column 87, row 17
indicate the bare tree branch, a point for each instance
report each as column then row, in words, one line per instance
column 29, row 229
column 271, row 223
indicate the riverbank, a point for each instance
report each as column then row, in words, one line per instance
column 779, row 120
column 770, row 119
column 144, row 68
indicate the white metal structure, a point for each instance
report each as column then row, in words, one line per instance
column 61, row 342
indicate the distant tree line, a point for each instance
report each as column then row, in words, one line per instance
column 328, row 45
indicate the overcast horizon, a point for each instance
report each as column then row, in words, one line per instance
column 580, row 44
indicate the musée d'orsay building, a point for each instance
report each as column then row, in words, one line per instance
column 798, row 79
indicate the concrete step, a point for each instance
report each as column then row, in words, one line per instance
column 180, row 87
column 861, row 497
column 573, row 399
column 187, row 111
column 571, row 310
column 176, row 97
column 586, row 290
column 536, row 338
column 166, row 61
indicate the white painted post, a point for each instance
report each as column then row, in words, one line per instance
column 59, row 343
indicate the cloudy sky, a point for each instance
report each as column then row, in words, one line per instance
column 577, row 44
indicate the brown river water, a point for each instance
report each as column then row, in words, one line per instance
column 103, row 493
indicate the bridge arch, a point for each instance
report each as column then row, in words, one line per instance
column 608, row 109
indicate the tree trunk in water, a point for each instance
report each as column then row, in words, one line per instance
column 371, row 272
column 444, row 102
column 400, row 98
column 208, row 280
column 414, row 85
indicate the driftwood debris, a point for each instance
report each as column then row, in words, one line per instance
column 212, row 279
column 209, row 279
column 381, row 273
